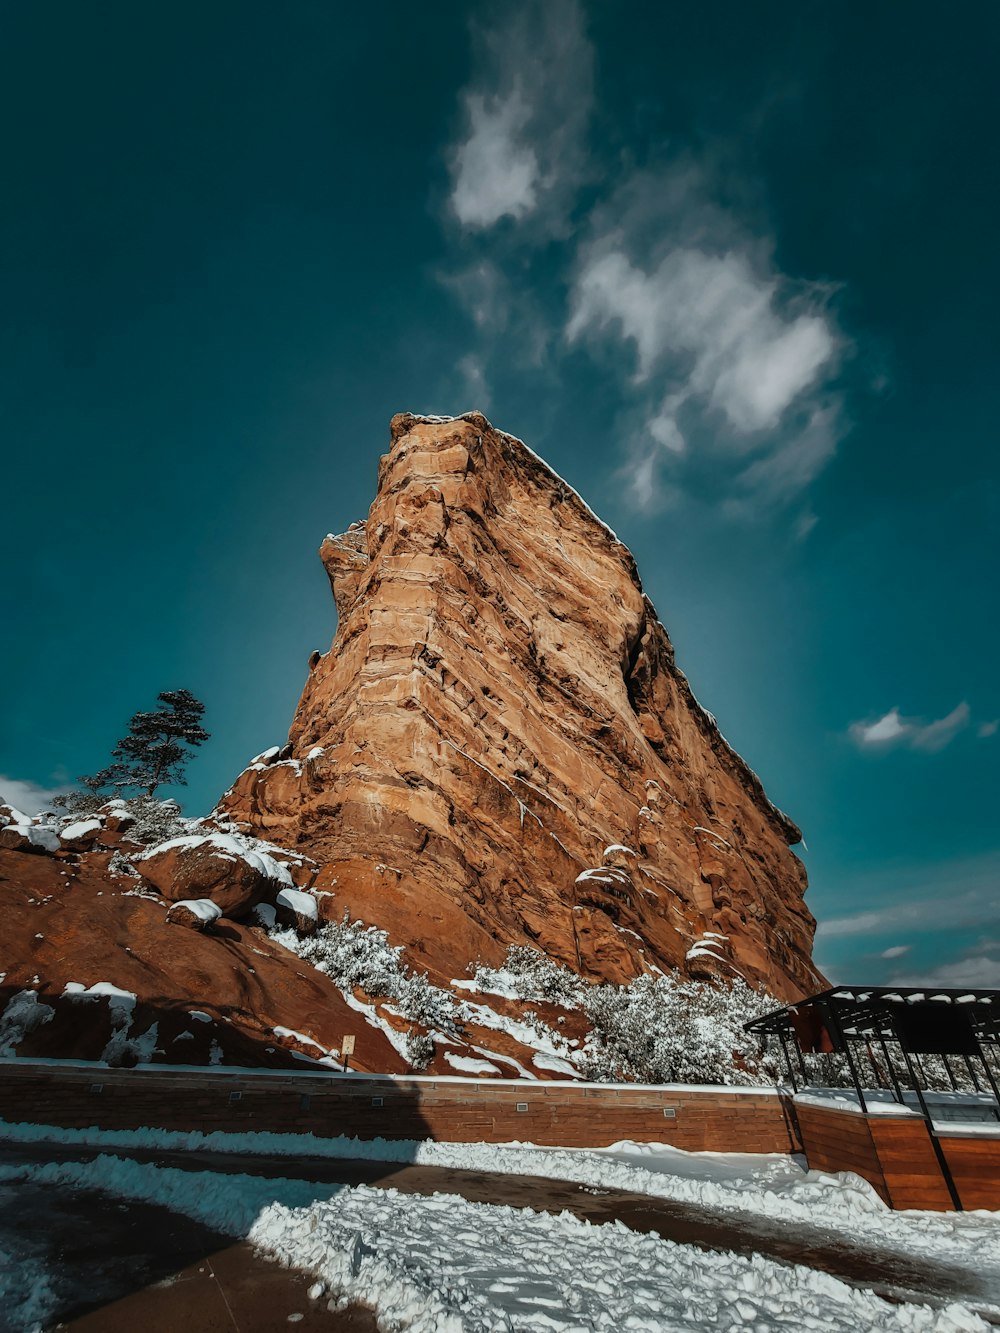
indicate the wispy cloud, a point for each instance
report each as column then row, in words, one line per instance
column 28, row 797
column 732, row 359
column 895, row 951
column 893, row 729
column 495, row 174
column 978, row 966
column 970, row 887
column 525, row 115
column 726, row 366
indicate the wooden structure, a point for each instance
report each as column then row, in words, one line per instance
column 920, row 1119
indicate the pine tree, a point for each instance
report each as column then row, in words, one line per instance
column 155, row 750
column 157, row 747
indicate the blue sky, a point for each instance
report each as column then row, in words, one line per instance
column 732, row 270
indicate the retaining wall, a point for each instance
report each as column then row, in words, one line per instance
column 78, row 1096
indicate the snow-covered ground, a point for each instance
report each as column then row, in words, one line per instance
column 440, row 1263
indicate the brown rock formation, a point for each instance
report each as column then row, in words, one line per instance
column 197, row 867
column 226, row 995
column 501, row 705
column 187, row 915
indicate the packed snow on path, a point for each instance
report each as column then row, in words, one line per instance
column 439, row 1264
column 767, row 1185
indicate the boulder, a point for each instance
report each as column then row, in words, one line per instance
column 29, row 838
column 216, row 866
column 194, row 913
column 297, row 910
column 80, row 835
column 119, row 821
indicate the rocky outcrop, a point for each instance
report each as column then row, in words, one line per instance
column 500, row 748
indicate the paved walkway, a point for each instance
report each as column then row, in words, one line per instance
column 894, row 1276
column 234, row 1290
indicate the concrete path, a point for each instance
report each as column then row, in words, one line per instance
column 234, row 1290
column 892, row 1275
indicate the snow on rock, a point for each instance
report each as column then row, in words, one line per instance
column 467, row 1064
column 330, row 1057
column 266, row 756
column 618, row 855
column 195, row 913
column 119, row 1000
column 123, row 1048
column 28, row 837
column 298, row 910
column 81, row 833
column 265, row 915
column 221, row 866
column 555, row 1065
column 710, row 946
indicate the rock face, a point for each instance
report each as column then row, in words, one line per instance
column 499, row 747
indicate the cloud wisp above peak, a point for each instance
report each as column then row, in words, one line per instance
column 526, row 110
column 733, row 360
column 893, row 730
column 725, row 367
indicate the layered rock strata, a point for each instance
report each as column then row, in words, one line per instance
column 500, row 748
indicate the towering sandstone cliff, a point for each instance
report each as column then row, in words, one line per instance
column 499, row 747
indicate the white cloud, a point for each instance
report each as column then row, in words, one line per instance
column 495, row 176
column 914, row 899
column 28, row 797
column 733, row 362
column 893, row 729
column 896, row 951
column 526, row 113
column 979, row 966
column 743, row 356
column 987, row 729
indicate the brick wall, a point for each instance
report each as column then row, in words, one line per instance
column 574, row 1115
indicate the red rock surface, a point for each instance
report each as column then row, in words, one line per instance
column 501, row 704
column 229, row 995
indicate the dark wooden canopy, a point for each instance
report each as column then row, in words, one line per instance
column 962, row 1022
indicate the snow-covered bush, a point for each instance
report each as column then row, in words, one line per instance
column 23, row 1013
column 419, row 1049
column 155, row 821
column 664, row 1030
column 80, row 802
column 527, row 974
column 355, row 955
column 121, row 865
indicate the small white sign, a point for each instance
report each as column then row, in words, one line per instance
column 347, row 1046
